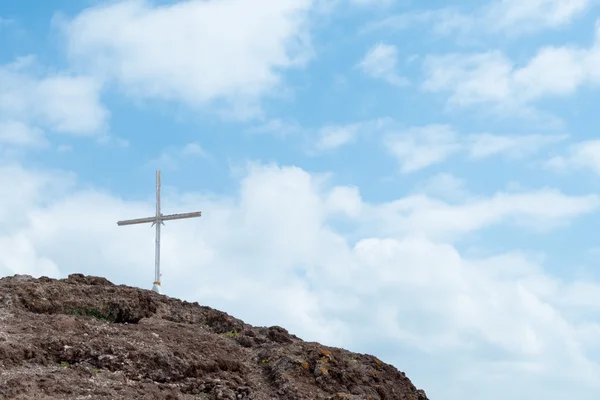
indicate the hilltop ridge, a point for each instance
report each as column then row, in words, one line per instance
column 86, row 338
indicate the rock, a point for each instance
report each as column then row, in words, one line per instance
column 84, row 337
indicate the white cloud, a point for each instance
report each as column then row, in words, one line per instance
column 420, row 147
column 20, row 257
column 470, row 78
column 344, row 200
column 443, row 21
column 415, row 147
column 486, row 145
column 406, row 289
column 173, row 157
column 556, row 71
column 508, row 17
column 332, row 137
column 443, row 185
column 581, row 155
column 33, row 101
column 194, row 51
column 61, row 103
column 527, row 15
column 194, row 149
column 28, row 190
column 326, row 138
column 16, row 133
column 491, row 78
column 540, row 210
column 381, row 62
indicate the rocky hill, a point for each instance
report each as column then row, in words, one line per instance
column 86, row 338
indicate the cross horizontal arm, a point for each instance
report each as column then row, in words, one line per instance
column 180, row 216
column 161, row 218
column 137, row 221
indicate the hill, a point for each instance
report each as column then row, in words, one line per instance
column 86, row 338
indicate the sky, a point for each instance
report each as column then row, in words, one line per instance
column 414, row 180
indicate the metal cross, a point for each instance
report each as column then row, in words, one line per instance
column 158, row 220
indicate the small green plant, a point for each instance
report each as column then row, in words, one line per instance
column 90, row 313
column 265, row 363
column 232, row 334
column 64, row 364
column 95, row 370
column 96, row 314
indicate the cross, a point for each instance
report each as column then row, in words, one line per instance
column 158, row 220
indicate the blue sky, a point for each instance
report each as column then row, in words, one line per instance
column 415, row 181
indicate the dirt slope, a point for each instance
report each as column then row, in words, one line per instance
column 86, row 338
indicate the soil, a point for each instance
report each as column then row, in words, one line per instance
column 85, row 338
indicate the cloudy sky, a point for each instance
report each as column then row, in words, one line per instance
column 414, row 180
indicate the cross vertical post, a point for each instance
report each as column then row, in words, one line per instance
column 156, row 284
column 157, row 220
